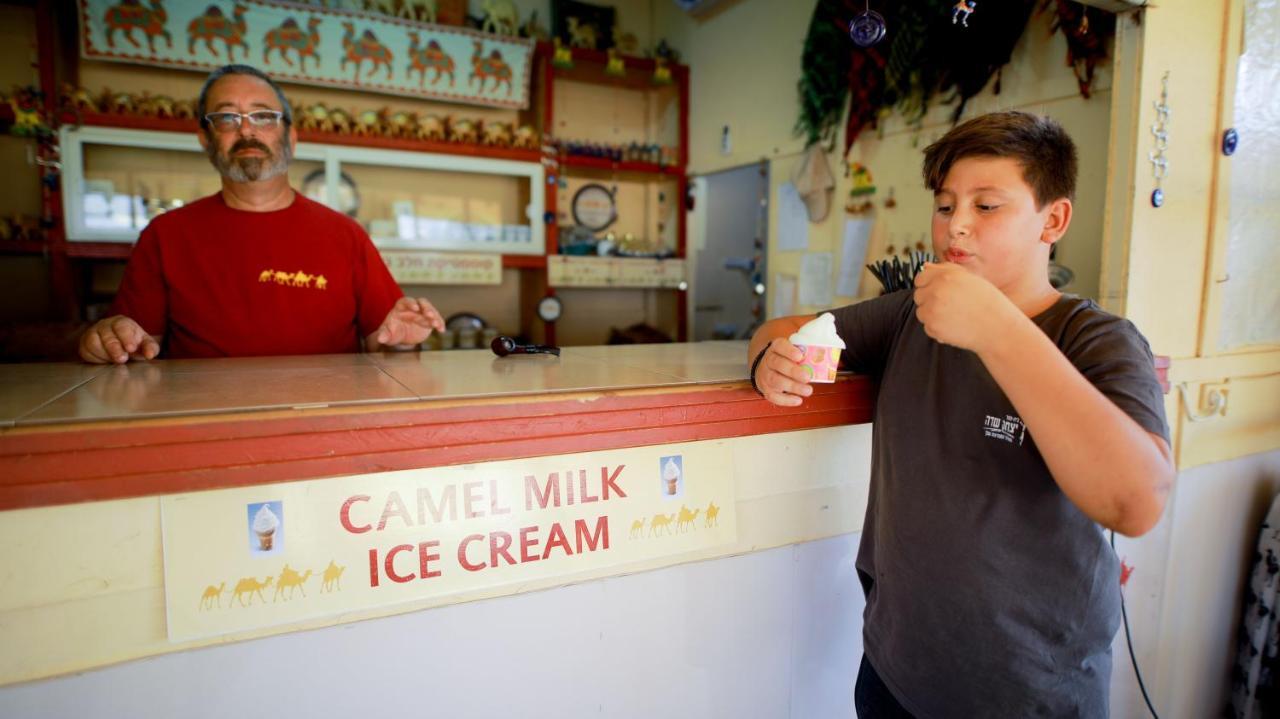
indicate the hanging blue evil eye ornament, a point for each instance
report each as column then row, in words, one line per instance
column 867, row 28
column 962, row 10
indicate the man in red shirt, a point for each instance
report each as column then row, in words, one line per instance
column 256, row 269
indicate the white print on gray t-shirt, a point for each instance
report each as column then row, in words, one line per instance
column 1009, row 429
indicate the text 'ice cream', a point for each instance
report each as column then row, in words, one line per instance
column 821, row 345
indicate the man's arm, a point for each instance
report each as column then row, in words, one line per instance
column 1115, row 471
column 778, row 375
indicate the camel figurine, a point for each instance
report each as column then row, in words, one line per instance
column 250, row 586
column 213, row 25
column 291, row 37
column 400, row 123
column 497, row 134
column 483, row 68
column 661, row 521
column 367, row 48
column 581, row 35
column 421, row 10
column 432, row 57
column 212, row 594
column 130, row 15
column 184, row 109
column 463, row 130
column 500, row 17
column 430, row 127
column 332, row 577
column 340, row 121
column 526, row 138
column 686, row 518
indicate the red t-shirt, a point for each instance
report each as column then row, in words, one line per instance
column 219, row 282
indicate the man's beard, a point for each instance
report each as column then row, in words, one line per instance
column 250, row 169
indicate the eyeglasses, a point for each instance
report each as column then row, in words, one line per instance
column 229, row 121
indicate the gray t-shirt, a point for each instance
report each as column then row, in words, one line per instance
column 989, row 594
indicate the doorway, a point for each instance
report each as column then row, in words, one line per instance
column 728, row 287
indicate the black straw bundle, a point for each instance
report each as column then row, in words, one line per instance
column 895, row 274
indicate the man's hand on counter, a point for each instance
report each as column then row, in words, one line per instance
column 409, row 323
column 117, row 340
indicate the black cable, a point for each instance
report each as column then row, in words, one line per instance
column 1128, row 638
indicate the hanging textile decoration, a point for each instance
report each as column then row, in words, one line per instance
column 1086, row 33
column 913, row 71
column 824, row 75
column 930, row 48
column 986, row 46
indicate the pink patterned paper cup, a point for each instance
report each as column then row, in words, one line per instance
column 820, row 362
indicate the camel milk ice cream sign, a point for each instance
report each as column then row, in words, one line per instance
column 247, row 558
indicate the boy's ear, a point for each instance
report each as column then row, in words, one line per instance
column 1056, row 221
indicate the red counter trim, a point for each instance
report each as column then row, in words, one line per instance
column 63, row 465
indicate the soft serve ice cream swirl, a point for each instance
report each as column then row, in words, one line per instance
column 818, row 332
column 671, row 475
column 265, row 520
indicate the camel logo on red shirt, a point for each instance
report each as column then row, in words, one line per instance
column 293, row 279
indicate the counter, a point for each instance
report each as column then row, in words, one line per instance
column 124, row 488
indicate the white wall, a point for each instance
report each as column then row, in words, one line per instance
column 771, row 634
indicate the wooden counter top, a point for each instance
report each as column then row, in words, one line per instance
column 73, row 433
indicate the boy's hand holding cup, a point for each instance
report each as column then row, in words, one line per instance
column 821, row 346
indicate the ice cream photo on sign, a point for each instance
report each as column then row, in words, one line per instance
column 821, row 345
column 266, row 527
column 672, row 475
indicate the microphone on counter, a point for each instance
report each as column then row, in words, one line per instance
column 503, row 346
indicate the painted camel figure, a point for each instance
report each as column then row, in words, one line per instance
column 637, row 528
column 130, row 15
column 212, row 594
column 432, row 57
column 483, row 68
column 332, row 577
column 686, row 518
column 290, row 579
column 289, row 37
column 367, row 48
column 713, row 513
column 250, row 586
column 661, row 521
column 213, row 25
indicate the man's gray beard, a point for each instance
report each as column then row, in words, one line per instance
column 251, row 169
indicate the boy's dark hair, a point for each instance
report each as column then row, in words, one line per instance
column 202, row 105
column 1039, row 144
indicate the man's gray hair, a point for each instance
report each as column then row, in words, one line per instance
column 202, row 104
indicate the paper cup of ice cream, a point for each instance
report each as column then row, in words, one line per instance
column 821, row 346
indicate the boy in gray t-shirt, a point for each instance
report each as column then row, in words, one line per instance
column 1013, row 425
